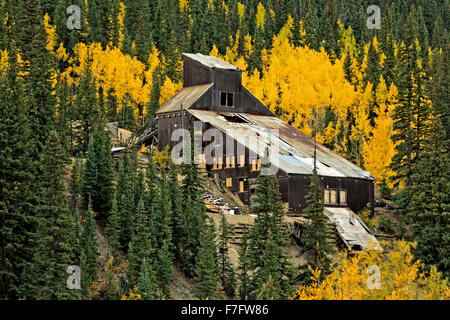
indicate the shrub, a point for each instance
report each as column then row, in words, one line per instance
column 385, row 224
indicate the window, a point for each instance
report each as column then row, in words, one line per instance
column 330, row 196
column 229, row 182
column 241, row 160
column 241, row 185
column 219, row 163
column 229, row 99
column 343, row 196
column 230, row 162
column 214, row 166
column 326, row 196
column 226, row 99
column 333, row 196
column 254, row 165
column 258, row 166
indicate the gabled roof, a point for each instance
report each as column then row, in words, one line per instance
column 295, row 149
column 185, row 97
column 211, row 62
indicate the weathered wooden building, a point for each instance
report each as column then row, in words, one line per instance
column 213, row 94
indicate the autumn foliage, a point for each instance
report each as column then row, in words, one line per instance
column 401, row 278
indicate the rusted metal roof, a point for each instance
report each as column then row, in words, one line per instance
column 211, row 62
column 295, row 149
column 186, row 97
column 352, row 230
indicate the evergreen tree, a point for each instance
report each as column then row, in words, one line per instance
column 177, row 207
column 140, row 247
column 147, row 281
column 438, row 87
column 206, row 267
column 155, row 94
column 86, row 107
column 411, row 115
column 311, row 25
column 244, row 267
column 40, row 100
column 126, row 118
column 98, row 174
column 17, row 198
column 113, row 225
column 195, row 213
column 172, row 60
column 89, row 252
column 267, row 238
column 315, row 236
column 162, row 231
column 53, row 239
column 329, row 29
column 125, row 200
column 227, row 275
column 430, row 201
column 75, row 185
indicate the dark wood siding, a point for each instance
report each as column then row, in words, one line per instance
column 360, row 192
column 194, row 73
column 166, row 125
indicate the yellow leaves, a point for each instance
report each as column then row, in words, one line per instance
column 168, row 90
column 132, row 295
column 400, row 278
column 215, row 52
column 379, row 149
column 162, row 158
column 298, row 80
column 4, row 60
column 182, row 4
column 240, row 10
column 260, row 16
column 51, row 33
column 285, row 32
column 347, row 40
column 121, row 18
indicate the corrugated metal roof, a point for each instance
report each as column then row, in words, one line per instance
column 211, row 62
column 186, row 97
column 352, row 233
column 295, row 150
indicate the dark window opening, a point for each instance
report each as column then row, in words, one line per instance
column 223, row 98
column 235, row 119
column 230, row 99
column 226, row 99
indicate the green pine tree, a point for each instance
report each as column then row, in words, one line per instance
column 17, row 176
column 244, row 267
column 146, row 285
column 140, row 247
column 53, row 239
column 315, row 236
column 227, row 274
column 206, row 267
column 429, row 207
column 98, row 174
column 89, row 252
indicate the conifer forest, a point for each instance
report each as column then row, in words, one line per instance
column 94, row 207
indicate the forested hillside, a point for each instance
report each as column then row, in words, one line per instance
column 378, row 97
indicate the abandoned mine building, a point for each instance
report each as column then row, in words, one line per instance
column 213, row 94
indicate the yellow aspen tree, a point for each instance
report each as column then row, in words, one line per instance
column 51, row 33
column 379, row 149
column 400, row 277
column 4, row 60
column 260, row 16
column 168, row 90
